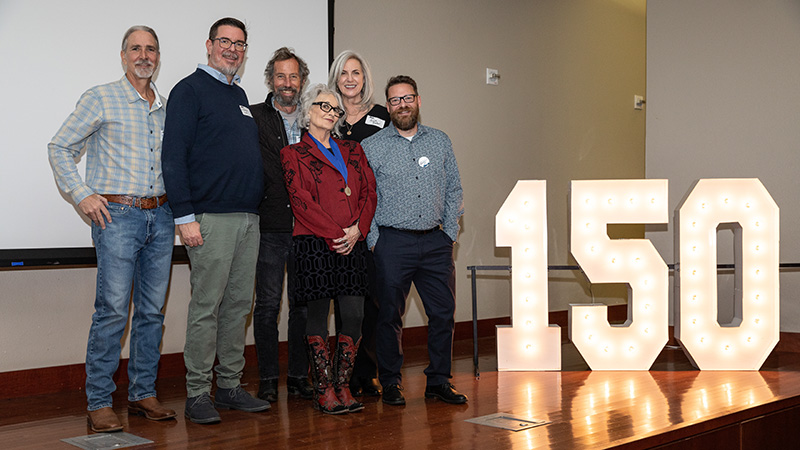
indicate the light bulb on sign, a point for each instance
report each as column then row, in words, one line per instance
column 617, row 256
column 526, row 205
column 748, row 205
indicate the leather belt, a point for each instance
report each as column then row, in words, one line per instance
column 436, row 228
column 137, row 202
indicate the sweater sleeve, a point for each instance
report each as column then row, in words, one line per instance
column 179, row 136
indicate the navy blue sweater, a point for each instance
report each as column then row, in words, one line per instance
column 210, row 155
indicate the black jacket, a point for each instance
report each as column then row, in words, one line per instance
column 275, row 211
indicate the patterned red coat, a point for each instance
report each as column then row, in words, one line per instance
column 317, row 190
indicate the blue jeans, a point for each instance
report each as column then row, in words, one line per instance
column 275, row 253
column 135, row 250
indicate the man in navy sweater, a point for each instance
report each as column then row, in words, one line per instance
column 213, row 176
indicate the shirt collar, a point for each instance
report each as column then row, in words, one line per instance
column 134, row 95
column 217, row 74
column 420, row 130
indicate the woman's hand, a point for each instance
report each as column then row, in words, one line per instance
column 344, row 245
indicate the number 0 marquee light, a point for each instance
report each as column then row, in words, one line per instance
column 595, row 204
column 748, row 340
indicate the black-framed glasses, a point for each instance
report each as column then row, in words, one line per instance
column 226, row 43
column 394, row 101
column 327, row 107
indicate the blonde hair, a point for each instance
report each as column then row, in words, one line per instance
column 336, row 69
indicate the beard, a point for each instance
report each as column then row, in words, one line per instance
column 408, row 122
column 286, row 101
column 144, row 68
column 226, row 69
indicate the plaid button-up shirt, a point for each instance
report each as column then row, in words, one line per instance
column 121, row 133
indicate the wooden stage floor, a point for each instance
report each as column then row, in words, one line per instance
column 672, row 406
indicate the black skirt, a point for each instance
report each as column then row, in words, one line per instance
column 322, row 274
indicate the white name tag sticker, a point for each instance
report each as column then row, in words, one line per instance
column 375, row 121
column 245, row 111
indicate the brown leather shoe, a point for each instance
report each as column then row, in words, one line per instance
column 104, row 420
column 150, row 408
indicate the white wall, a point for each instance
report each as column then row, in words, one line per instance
column 723, row 101
column 70, row 46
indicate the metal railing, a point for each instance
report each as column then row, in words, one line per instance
column 474, row 272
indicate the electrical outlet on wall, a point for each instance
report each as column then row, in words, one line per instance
column 638, row 102
column 492, row 76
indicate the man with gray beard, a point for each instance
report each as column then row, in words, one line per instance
column 119, row 125
column 278, row 126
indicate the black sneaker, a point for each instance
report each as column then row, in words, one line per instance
column 238, row 398
column 393, row 396
column 447, row 393
column 201, row 410
column 268, row 390
column 300, row 386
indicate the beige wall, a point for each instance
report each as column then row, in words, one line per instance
column 563, row 111
column 723, row 101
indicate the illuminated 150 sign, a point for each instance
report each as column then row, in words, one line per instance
column 531, row 344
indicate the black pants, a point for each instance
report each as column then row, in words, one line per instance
column 366, row 365
column 403, row 257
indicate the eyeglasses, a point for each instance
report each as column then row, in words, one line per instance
column 327, row 107
column 226, row 43
column 394, row 101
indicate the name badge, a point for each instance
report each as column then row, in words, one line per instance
column 245, row 111
column 375, row 121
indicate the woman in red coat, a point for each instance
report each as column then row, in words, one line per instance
column 332, row 192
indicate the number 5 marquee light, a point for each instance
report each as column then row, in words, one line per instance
column 531, row 344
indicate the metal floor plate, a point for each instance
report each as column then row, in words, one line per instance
column 106, row 441
column 507, row 422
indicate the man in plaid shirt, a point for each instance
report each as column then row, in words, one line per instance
column 119, row 125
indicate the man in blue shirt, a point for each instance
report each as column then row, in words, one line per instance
column 119, row 125
column 412, row 235
column 213, row 175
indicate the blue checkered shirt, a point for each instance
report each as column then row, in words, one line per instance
column 121, row 133
column 419, row 186
column 293, row 133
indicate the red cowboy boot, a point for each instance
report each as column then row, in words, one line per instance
column 324, row 396
column 343, row 369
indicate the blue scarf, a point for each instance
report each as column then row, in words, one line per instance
column 333, row 155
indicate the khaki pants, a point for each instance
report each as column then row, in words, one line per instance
column 223, row 279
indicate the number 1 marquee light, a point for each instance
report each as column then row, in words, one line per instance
column 530, row 344
column 521, row 223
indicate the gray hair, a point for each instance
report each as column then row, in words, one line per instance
column 139, row 28
column 336, row 69
column 309, row 96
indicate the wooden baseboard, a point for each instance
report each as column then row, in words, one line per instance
column 48, row 380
